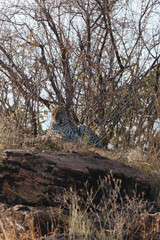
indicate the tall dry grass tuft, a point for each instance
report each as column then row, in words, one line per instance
column 114, row 217
column 12, row 230
column 9, row 136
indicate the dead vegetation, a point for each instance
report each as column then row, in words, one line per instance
column 116, row 218
column 107, row 76
column 133, row 218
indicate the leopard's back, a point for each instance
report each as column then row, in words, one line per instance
column 87, row 134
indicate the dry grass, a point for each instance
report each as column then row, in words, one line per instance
column 113, row 217
column 11, row 230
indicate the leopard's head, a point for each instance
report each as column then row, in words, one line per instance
column 59, row 115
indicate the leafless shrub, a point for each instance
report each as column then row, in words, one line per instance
column 99, row 58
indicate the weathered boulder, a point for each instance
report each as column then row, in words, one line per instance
column 35, row 178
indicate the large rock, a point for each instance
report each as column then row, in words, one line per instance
column 35, row 178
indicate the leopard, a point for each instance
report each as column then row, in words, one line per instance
column 62, row 127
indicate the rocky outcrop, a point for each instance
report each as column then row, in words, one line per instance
column 32, row 186
column 32, row 179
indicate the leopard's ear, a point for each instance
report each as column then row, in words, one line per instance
column 56, row 108
column 51, row 108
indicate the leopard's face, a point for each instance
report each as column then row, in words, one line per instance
column 59, row 115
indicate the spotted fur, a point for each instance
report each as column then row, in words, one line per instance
column 61, row 127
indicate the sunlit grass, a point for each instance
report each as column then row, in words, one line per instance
column 113, row 217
